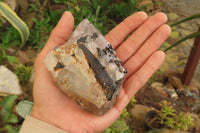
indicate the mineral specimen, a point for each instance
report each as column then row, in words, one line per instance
column 86, row 69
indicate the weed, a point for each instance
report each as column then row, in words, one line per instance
column 23, row 72
column 6, row 114
column 124, row 114
column 33, row 7
column 60, row 1
column 122, row 10
column 119, row 126
column 41, row 30
column 10, row 38
column 131, row 103
column 101, row 13
column 10, row 59
column 169, row 118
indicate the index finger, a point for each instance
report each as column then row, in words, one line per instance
column 117, row 35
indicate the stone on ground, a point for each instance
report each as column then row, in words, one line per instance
column 9, row 83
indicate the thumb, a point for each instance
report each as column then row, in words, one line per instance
column 60, row 33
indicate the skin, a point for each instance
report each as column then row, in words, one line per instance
column 138, row 52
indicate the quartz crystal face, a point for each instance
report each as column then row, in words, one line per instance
column 86, row 69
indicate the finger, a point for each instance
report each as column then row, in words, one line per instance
column 136, row 81
column 135, row 41
column 150, row 46
column 120, row 32
column 60, row 33
column 130, row 87
column 58, row 37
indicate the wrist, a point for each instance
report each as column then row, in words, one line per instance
column 43, row 116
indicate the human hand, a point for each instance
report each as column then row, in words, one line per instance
column 138, row 53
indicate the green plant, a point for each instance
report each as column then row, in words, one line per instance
column 19, row 24
column 23, row 72
column 60, row 1
column 183, row 39
column 169, row 118
column 131, row 103
column 33, row 7
column 195, row 34
column 40, row 32
column 124, row 114
column 119, row 126
column 10, row 38
column 8, row 118
column 118, row 10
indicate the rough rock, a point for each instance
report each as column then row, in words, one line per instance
column 176, row 82
column 194, row 90
column 166, row 130
column 184, row 7
column 152, row 119
column 156, row 84
column 86, row 69
column 186, row 32
column 145, row 3
column 158, row 88
column 11, row 3
column 9, row 83
column 138, row 114
column 170, row 90
column 21, row 56
column 186, row 26
column 196, row 122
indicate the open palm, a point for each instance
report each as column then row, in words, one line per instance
column 138, row 53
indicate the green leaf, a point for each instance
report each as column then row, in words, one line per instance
column 13, row 43
column 24, row 108
column 186, row 19
column 8, row 102
column 12, row 129
column 7, row 105
column 12, row 119
column 19, row 24
column 119, row 126
column 183, row 39
column 6, row 37
column 11, row 59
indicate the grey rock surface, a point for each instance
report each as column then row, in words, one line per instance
column 86, row 68
column 9, row 83
column 189, row 7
